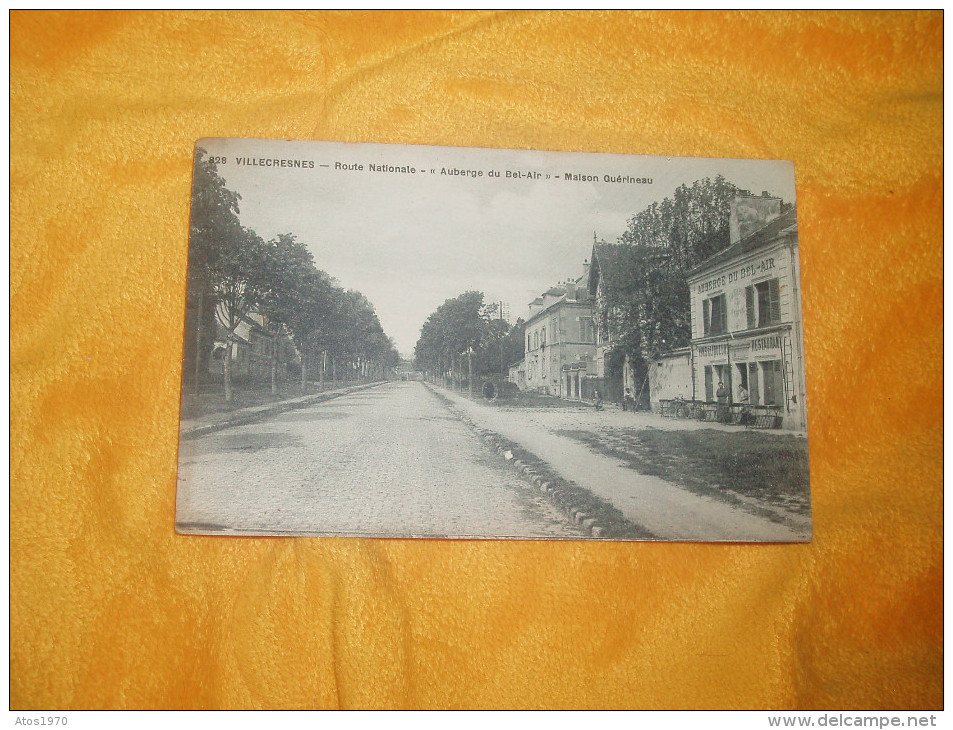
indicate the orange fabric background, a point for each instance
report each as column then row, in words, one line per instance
column 111, row 609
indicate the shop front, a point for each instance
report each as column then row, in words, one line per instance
column 755, row 372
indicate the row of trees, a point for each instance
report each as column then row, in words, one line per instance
column 234, row 275
column 465, row 335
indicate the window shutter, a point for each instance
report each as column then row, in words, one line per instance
column 749, row 304
column 774, row 295
column 706, row 307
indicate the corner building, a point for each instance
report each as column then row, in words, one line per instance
column 560, row 341
column 746, row 314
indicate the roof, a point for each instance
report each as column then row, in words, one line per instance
column 570, row 292
column 768, row 233
column 561, row 301
column 610, row 259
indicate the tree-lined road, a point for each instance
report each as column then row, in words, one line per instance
column 387, row 461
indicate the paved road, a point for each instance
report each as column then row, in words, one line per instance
column 389, row 461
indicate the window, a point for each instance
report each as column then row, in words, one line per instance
column 543, row 338
column 529, row 342
column 586, row 330
column 753, row 391
column 763, row 302
column 773, row 383
column 715, row 312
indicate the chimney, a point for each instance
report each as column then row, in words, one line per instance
column 751, row 212
column 570, row 290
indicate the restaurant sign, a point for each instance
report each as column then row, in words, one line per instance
column 769, row 345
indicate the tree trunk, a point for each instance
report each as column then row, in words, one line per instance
column 304, row 373
column 198, row 340
column 274, row 365
column 324, row 365
column 227, row 368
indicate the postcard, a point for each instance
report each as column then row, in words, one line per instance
column 435, row 342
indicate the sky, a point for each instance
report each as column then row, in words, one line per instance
column 411, row 240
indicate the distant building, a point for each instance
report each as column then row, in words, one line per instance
column 746, row 313
column 407, row 371
column 560, row 340
column 497, row 310
column 517, row 374
column 252, row 348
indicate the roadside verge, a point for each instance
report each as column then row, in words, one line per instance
column 196, row 427
column 581, row 506
column 660, row 507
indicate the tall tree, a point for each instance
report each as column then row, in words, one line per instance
column 313, row 319
column 647, row 298
column 214, row 228
column 240, row 283
column 289, row 268
column 456, row 327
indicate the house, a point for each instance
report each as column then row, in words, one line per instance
column 517, row 374
column 560, row 340
column 746, row 313
column 252, row 348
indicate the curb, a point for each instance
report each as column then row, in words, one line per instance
column 594, row 515
column 274, row 410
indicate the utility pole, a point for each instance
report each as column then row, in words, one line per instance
column 470, row 368
column 502, row 370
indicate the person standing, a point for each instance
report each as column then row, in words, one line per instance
column 744, row 418
column 721, row 394
column 628, row 402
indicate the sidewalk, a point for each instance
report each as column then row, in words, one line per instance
column 664, row 509
column 195, row 427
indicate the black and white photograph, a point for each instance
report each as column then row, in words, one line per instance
column 434, row 342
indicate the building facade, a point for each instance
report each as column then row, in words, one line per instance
column 746, row 315
column 252, row 351
column 560, row 341
column 517, row 374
